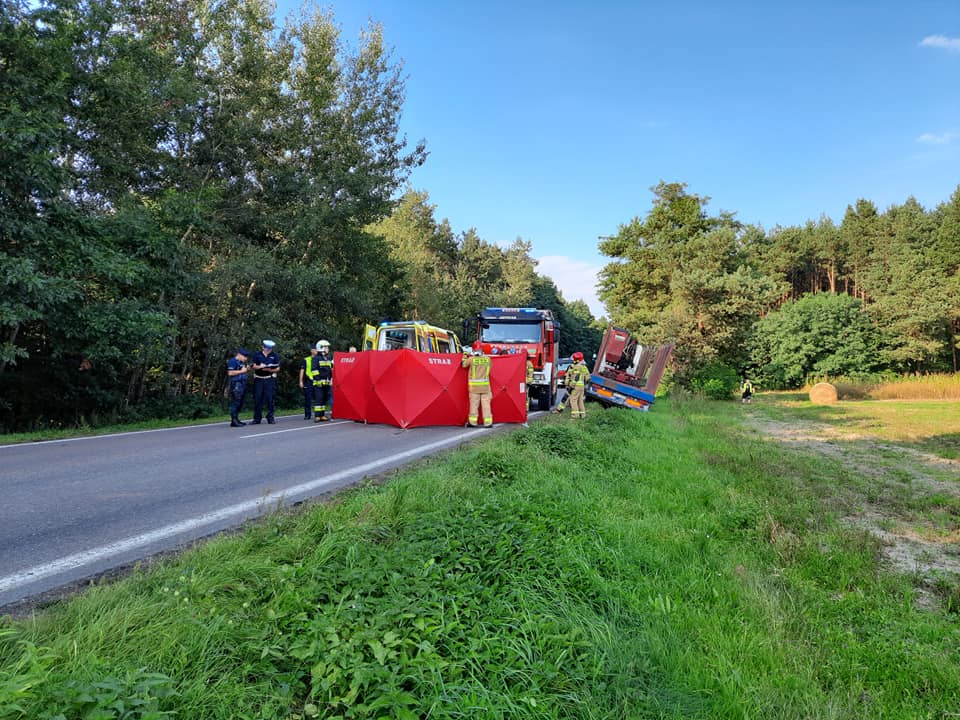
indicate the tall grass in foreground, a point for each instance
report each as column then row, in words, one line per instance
column 944, row 386
column 633, row 565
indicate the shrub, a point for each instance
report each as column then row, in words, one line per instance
column 816, row 336
column 715, row 381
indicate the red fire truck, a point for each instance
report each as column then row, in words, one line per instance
column 528, row 331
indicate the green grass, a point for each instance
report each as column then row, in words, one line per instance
column 658, row 565
column 931, row 425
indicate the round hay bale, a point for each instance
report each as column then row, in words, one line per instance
column 823, row 394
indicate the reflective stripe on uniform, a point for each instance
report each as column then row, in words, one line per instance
column 479, row 372
column 578, row 374
column 324, row 364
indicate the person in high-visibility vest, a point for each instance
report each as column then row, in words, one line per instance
column 307, row 371
column 322, row 381
column 746, row 390
column 575, row 380
column 478, row 384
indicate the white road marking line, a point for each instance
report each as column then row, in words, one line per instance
column 88, row 557
column 155, row 430
column 112, row 435
column 305, row 427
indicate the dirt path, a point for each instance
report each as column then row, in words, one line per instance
column 894, row 491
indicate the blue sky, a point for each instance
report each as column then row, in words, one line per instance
column 551, row 121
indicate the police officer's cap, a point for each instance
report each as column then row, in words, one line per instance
column 243, row 351
column 268, row 344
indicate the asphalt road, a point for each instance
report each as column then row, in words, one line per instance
column 73, row 509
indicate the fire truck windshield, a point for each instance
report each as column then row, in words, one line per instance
column 512, row 332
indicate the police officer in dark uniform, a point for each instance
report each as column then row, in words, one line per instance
column 237, row 377
column 266, row 365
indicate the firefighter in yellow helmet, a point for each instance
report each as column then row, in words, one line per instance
column 478, row 384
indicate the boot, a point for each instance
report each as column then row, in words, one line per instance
column 234, row 422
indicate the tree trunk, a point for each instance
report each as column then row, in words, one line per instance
column 185, row 368
column 141, row 386
column 953, row 341
column 205, row 376
column 13, row 338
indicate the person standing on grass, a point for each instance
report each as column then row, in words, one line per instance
column 576, row 380
column 746, row 390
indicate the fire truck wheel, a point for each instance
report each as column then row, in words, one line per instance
column 546, row 399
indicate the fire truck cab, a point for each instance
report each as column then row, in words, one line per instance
column 529, row 331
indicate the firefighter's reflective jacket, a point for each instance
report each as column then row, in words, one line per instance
column 323, row 370
column 478, row 376
column 577, row 375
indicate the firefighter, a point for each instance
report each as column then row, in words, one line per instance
column 478, row 384
column 307, row 371
column 266, row 365
column 237, row 377
column 746, row 390
column 322, row 382
column 575, row 382
column 530, row 355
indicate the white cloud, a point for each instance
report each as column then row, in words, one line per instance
column 577, row 279
column 944, row 138
column 941, row 41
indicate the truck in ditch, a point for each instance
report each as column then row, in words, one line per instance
column 528, row 331
column 626, row 373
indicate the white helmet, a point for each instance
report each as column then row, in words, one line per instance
column 323, row 345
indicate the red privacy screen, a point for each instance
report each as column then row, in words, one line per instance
column 411, row 389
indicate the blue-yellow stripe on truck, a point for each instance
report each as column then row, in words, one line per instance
column 608, row 391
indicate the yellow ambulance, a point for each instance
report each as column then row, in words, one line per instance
column 411, row 335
